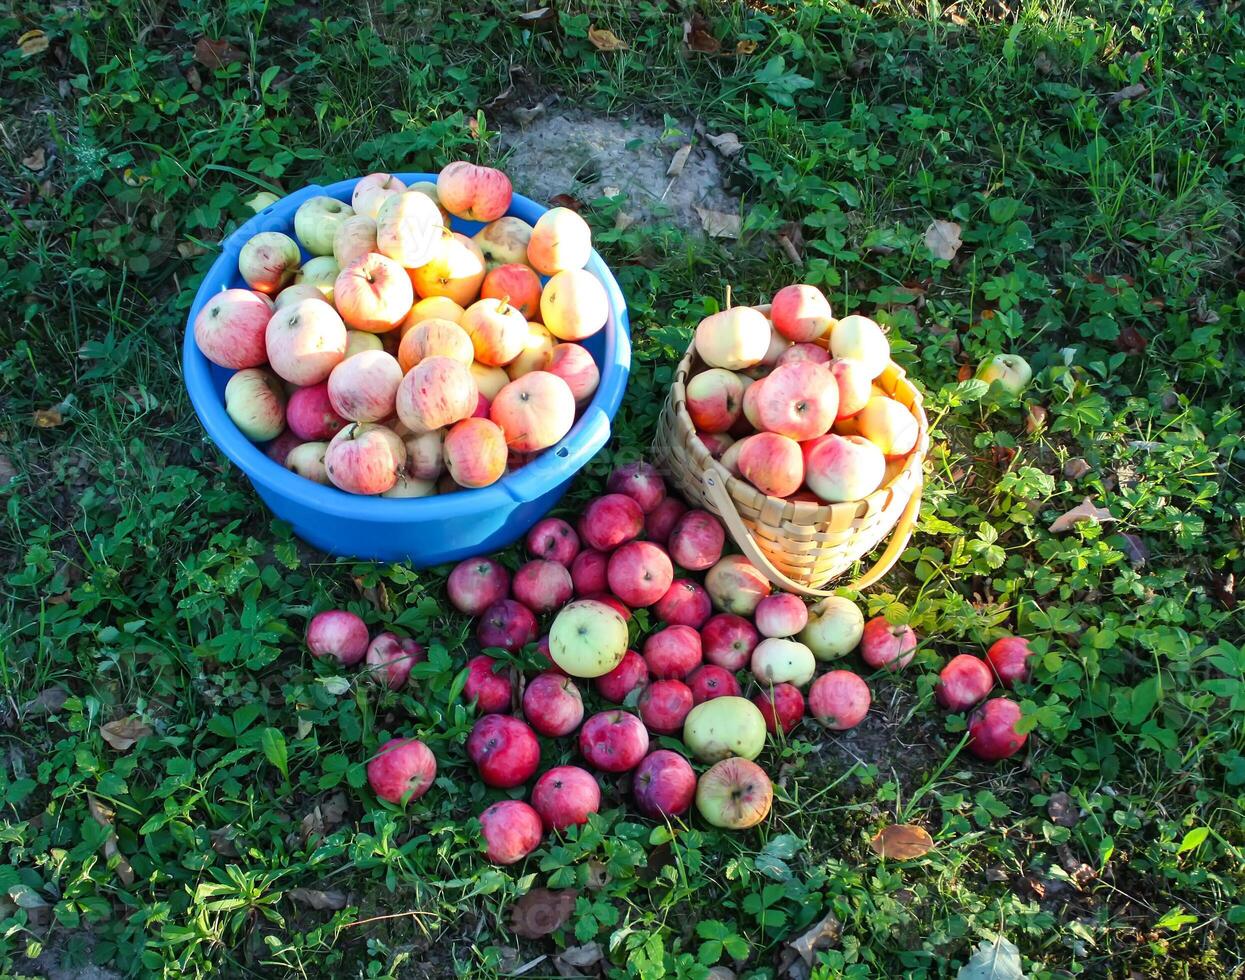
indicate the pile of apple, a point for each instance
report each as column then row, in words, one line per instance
column 403, row 358
column 637, row 548
column 786, row 399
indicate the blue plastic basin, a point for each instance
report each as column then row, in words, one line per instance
column 426, row 530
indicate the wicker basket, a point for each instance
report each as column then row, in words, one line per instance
column 799, row 545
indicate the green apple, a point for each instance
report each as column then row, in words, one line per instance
column 778, row 661
column 1010, row 371
column 834, row 628
column 261, row 200
column 320, row 272
column 724, row 727
column 588, row 639
column 255, row 400
column 316, row 222
column 734, row 794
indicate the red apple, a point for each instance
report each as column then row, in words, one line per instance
column 566, row 796
column 613, row 741
column 840, row 469
column 609, row 521
column 554, row 540
column 542, row 586
column 504, row 749
column 661, row 521
column 506, row 624
column 613, row 602
column 631, row 672
column 804, row 352
column 338, row 634
column 772, row 463
column 664, row 785
column 781, row 705
column 641, row 482
column 574, row 365
column 639, row 573
column 736, row 586
column 477, row 583
column 781, row 614
column 588, row 572
column 709, row 681
column 963, row 682
column 542, row 647
column 1009, row 657
column 884, row 644
column 511, row 829
column 552, row 704
column 664, row 706
column 280, row 448
column 716, row 443
column 715, row 400
column 839, row 700
column 801, row 313
column 390, row 658
column 685, row 603
column 402, row 770
column 799, row 401
column 491, row 691
column 728, row 641
column 673, row 652
column 697, row 540
column 309, row 413
column 992, row 731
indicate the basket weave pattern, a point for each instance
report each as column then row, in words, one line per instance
column 808, row 543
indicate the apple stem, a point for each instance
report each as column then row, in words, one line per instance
column 502, row 304
column 728, row 296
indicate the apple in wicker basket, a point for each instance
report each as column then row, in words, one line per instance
column 734, row 339
column 839, row 469
column 860, row 339
column 715, row 399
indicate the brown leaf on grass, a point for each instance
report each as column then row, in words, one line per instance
column 1075, row 468
column 324, row 901
column 1223, row 588
column 1084, row 511
column 902, row 842
column 103, row 816
column 525, row 117
column 193, row 79
column 698, row 37
column 566, row 201
column 943, row 239
column 1035, row 419
column 1062, row 810
column 36, row 161
column 679, row 161
column 49, row 418
column 32, row 43
column 1131, row 341
column 540, row 13
column 725, row 143
column 222, row 841
column 745, row 47
column 1135, row 548
column 324, row 817
column 123, row 733
column 541, row 912
column 623, row 221
column 604, row 40
column 719, row 224
column 822, row 935
column 377, row 595
column 575, row 959
column 46, row 702
column 793, row 253
column 215, row 53
column 1126, row 94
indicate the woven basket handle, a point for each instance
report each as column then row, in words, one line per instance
column 900, row 535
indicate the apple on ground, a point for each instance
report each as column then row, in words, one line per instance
column 316, row 222
column 613, row 741
column 631, row 673
column 588, row 638
column 839, row 700
column 255, row 402
column 735, row 794
column 709, row 681
column 506, row 625
column 476, row 193
column 574, row 305
column 552, row 704
column 560, row 240
column 673, row 652
column 734, row 339
column 736, row 586
column 504, row 241
column 364, row 458
column 782, row 706
column 566, row 796
column 455, row 270
column 884, row 644
column 305, row 342
column 372, row 191
column 664, row 706
column 268, row 261
column 534, row 411
column 781, row 614
column 489, row 689
column 1010, row 372
column 963, row 682
column 390, row 658
column 511, row 831
column 715, row 400
column 588, row 572
column 477, row 583
column 230, row 329
column 664, row 785
column 437, row 392
column 475, row 452
column 554, row 539
column 1009, row 657
column 402, row 770
column 840, row 469
column 409, row 228
column 778, row 661
column 364, row 388
column 504, row 749
column 696, row 541
column 641, row 482
column 659, row 524
column 639, row 573
column 728, row 640
column 610, row 521
column 992, row 731
column 835, row 627
column 724, row 727
column 338, row 634
column 861, row 339
column 542, row 585
column 685, row 603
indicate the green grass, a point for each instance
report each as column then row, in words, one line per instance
column 142, row 576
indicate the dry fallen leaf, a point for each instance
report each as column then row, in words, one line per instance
column 1084, row 511
column 46, row 702
column 1136, row 550
column 49, row 418
column 541, row 912
column 1075, row 468
column 679, row 161
column 124, row 732
column 943, row 239
column 526, row 117
column 697, row 36
column 1125, row 94
column 1062, row 811
column 604, row 40
column 1223, row 588
column 719, row 224
column 329, row 901
column 222, row 841
column 574, row 959
column 745, row 47
column 793, row 253
column 540, row 13
column 193, row 78
column 623, row 221
column 821, row 936
column 725, row 143
column 36, row 161
column 7, row 469
column 902, row 842
column 103, row 816
column 32, row 43
column 566, row 201
column 214, row 53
